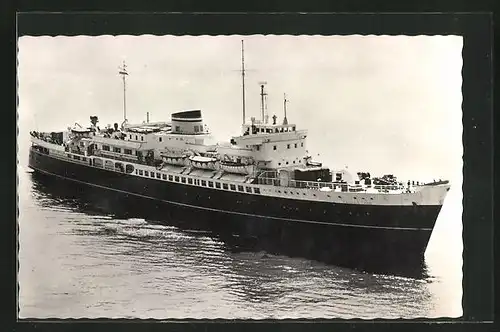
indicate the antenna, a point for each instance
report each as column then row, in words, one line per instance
column 243, row 79
column 285, row 120
column 262, row 100
column 124, row 73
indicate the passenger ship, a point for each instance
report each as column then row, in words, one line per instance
column 261, row 184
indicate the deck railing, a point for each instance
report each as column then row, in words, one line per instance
column 116, row 156
column 335, row 186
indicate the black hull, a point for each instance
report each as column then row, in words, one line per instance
column 385, row 247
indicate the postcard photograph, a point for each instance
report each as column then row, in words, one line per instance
column 240, row 176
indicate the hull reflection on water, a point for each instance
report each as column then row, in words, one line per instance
column 235, row 232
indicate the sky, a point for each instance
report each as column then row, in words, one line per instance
column 383, row 104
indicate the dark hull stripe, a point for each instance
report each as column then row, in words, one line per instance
column 230, row 212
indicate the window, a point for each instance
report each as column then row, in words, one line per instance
column 136, row 172
column 240, row 188
column 140, row 172
column 190, row 181
column 142, row 138
column 176, row 179
column 136, row 138
column 203, row 183
column 119, row 167
column 69, row 156
column 159, row 139
column 196, row 129
column 152, row 174
column 84, row 159
column 76, row 157
column 183, row 179
column 287, row 162
column 177, row 128
column 258, row 148
column 105, row 147
column 249, row 189
column 302, row 144
column 217, row 185
column 82, row 144
column 170, row 178
column 158, row 175
column 288, row 146
column 295, row 145
column 130, row 136
column 210, row 184
column 129, row 168
column 224, row 186
column 127, row 151
column 164, row 176
column 146, row 173
column 232, row 186
column 256, row 190
column 117, row 150
column 279, row 164
column 274, row 147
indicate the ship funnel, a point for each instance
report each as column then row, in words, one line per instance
column 187, row 122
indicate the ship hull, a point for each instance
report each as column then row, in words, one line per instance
column 367, row 238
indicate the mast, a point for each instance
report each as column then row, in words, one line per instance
column 123, row 72
column 243, row 79
column 262, row 101
column 285, row 120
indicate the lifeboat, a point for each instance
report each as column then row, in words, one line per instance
column 174, row 159
column 236, row 168
column 201, row 162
